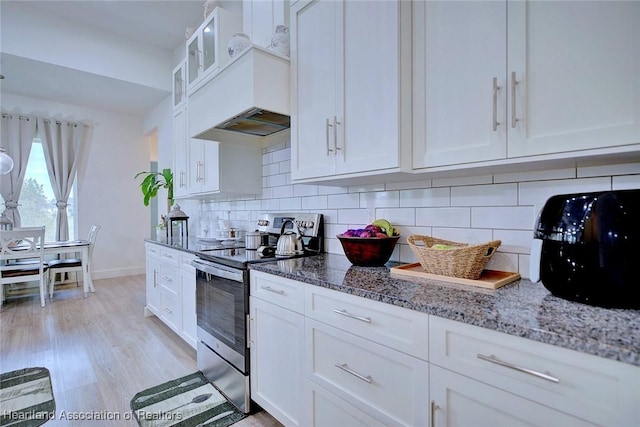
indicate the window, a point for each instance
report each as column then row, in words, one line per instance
column 37, row 202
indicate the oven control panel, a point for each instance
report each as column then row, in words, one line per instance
column 310, row 224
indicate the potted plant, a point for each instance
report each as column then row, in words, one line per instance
column 154, row 181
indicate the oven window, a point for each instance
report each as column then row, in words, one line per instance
column 220, row 309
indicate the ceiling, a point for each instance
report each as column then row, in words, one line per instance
column 161, row 23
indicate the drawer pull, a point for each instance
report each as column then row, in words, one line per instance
column 270, row 289
column 345, row 368
column 494, row 359
column 353, row 316
column 167, row 278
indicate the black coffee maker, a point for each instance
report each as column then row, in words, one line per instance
column 586, row 248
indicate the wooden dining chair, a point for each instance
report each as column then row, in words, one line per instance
column 72, row 265
column 22, row 259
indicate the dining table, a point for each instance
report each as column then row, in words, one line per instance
column 74, row 246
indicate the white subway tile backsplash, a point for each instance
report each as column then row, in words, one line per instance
column 537, row 193
column 323, row 189
column 425, row 197
column 407, row 185
column 626, row 182
column 485, row 195
column 463, row 235
column 352, row 216
column 621, row 169
column 398, row 216
column 534, row 175
column 514, row 241
column 510, row 218
column 363, row 188
column 305, row 190
column 290, row 204
column 314, row 202
column 282, row 191
column 443, row 217
column 465, row 180
column 472, row 209
column 349, row 200
column 380, row 199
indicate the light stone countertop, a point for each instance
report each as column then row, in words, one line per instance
column 522, row 308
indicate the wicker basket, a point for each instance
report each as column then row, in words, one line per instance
column 466, row 261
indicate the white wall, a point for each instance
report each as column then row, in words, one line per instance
column 473, row 209
column 107, row 192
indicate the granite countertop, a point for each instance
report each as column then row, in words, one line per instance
column 522, row 308
column 192, row 244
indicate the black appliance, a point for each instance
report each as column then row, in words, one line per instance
column 586, row 248
column 222, row 302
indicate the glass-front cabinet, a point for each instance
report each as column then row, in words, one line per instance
column 179, row 86
column 207, row 48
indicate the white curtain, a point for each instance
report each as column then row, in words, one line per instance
column 63, row 144
column 16, row 136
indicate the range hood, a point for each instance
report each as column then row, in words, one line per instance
column 257, row 122
column 248, row 98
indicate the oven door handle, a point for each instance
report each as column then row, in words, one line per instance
column 216, row 271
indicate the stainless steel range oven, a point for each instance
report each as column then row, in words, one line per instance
column 222, row 303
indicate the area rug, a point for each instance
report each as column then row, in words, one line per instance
column 190, row 401
column 26, row 398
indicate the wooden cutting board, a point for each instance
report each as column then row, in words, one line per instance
column 491, row 279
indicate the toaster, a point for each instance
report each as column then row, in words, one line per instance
column 586, row 248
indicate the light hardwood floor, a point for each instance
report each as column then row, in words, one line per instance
column 100, row 350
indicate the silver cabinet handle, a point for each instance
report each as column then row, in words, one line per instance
column 493, row 359
column 496, row 88
column 335, row 133
column 514, row 83
column 181, row 178
column 434, row 408
column 327, row 126
column 270, row 289
column 346, row 368
column 166, row 310
column 167, row 278
column 155, row 278
column 353, row 316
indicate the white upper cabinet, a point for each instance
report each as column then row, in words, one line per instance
column 577, row 72
column 508, row 79
column 217, row 168
column 180, row 152
column 207, row 48
column 460, row 49
column 349, row 87
column 179, row 87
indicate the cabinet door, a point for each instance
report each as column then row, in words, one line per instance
column 577, row 68
column 153, row 292
column 196, row 165
column 179, row 85
column 210, row 173
column 459, row 52
column 180, row 152
column 368, row 83
column 194, row 59
column 316, row 33
column 460, row 401
column 277, row 345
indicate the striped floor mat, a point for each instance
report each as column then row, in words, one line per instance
column 26, row 398
column 190, row 401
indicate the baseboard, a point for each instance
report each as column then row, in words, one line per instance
column 120, row 272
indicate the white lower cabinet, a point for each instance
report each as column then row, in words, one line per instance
column 390, row 386
column 171, row 290
column 276, row 345
column 367, row 363
column 325, row 409
column 460, row 401
column 586, row 389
